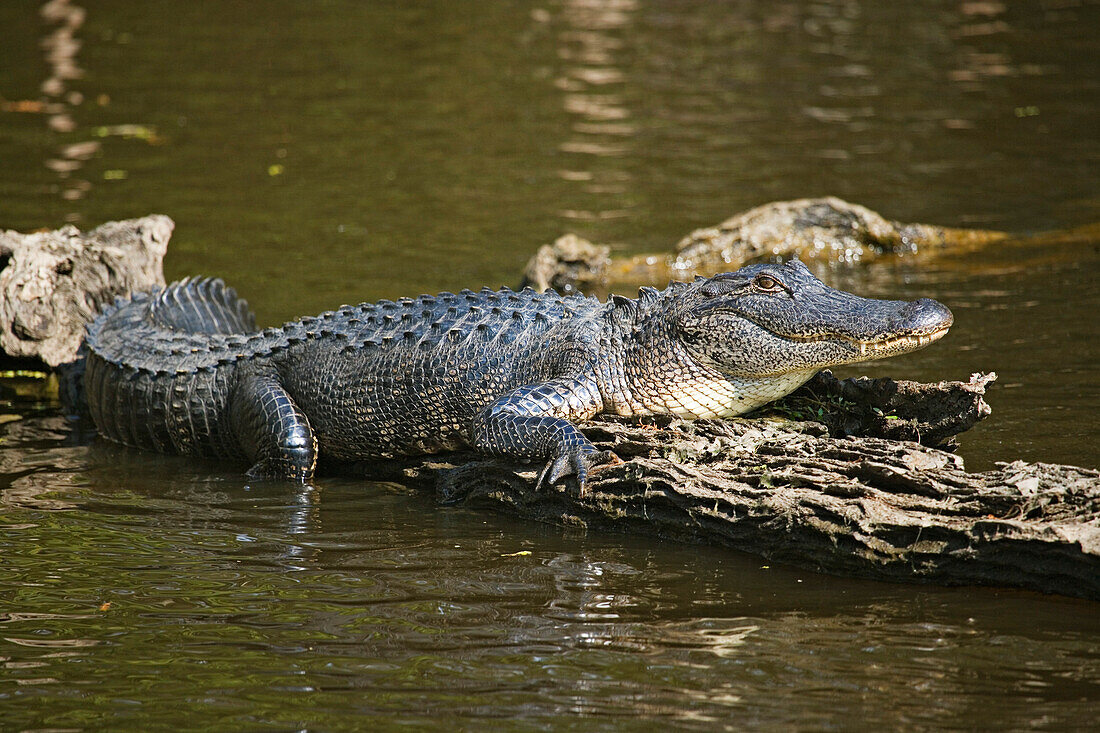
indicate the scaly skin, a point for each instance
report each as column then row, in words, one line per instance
column 183, row 370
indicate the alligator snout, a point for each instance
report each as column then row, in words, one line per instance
column 922, row 317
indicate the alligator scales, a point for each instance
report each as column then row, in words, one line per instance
column 184, row 370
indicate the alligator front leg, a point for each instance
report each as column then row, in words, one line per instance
column 534, row 422
column 272, row 430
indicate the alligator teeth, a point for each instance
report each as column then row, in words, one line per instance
column 905, row 342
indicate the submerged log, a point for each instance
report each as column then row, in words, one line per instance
column 828, row 229
column 820, row 231
column 807, row 494
column 52, row 283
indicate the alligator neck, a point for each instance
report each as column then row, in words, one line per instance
column 653, row 374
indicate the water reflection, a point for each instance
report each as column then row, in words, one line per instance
column 593, row 83
column 397, row 606
column 60, row 46
column 266, row 606
column 980, row 52
column 37, row 470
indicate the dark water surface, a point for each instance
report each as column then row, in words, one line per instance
column 328, row 152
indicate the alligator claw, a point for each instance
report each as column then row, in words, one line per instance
column 578, row 462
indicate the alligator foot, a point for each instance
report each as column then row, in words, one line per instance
column 273, row 431
column 577, row 461
column 282, row 469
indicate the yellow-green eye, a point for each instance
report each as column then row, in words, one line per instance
column 764, row 282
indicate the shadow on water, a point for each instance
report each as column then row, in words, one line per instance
column 353, row 151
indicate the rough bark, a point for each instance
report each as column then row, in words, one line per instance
column 930, row 414
column 792, row 492
column 52, row 283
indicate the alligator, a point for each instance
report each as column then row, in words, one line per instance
column 184, row 369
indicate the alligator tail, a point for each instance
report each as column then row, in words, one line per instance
column 161, row 367
column 201, row 305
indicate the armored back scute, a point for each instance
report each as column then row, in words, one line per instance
column 160, row 365
column 204, row 305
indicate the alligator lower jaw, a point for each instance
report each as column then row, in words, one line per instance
column 893, row 345
column 898, row 344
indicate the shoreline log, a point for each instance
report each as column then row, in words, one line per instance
column 825, row 233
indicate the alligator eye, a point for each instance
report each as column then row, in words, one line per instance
column 765, row 282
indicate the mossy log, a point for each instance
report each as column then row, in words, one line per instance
column 808, row 494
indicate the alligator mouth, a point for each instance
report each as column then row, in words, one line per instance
column 900, row 343
column 893, row 344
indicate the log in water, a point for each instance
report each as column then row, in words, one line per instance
column 794, row 492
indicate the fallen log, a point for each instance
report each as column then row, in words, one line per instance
column 52, row 283
column 822, row 232
column 569, row 265
column 807, row 494
column 828, row 229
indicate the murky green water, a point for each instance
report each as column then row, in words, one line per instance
column 329, row 152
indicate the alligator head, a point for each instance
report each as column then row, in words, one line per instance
column 771, row 320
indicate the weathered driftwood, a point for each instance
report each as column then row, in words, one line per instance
column 52, row 283
column 568, row 265
column 791, row 492
column 820, row 231
column 828, row 228
column 931, row 414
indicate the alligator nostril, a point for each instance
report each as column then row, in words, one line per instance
column 924, row 316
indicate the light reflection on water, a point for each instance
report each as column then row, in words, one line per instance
column 264, row 603
column 593, row 84
column 358, row 151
